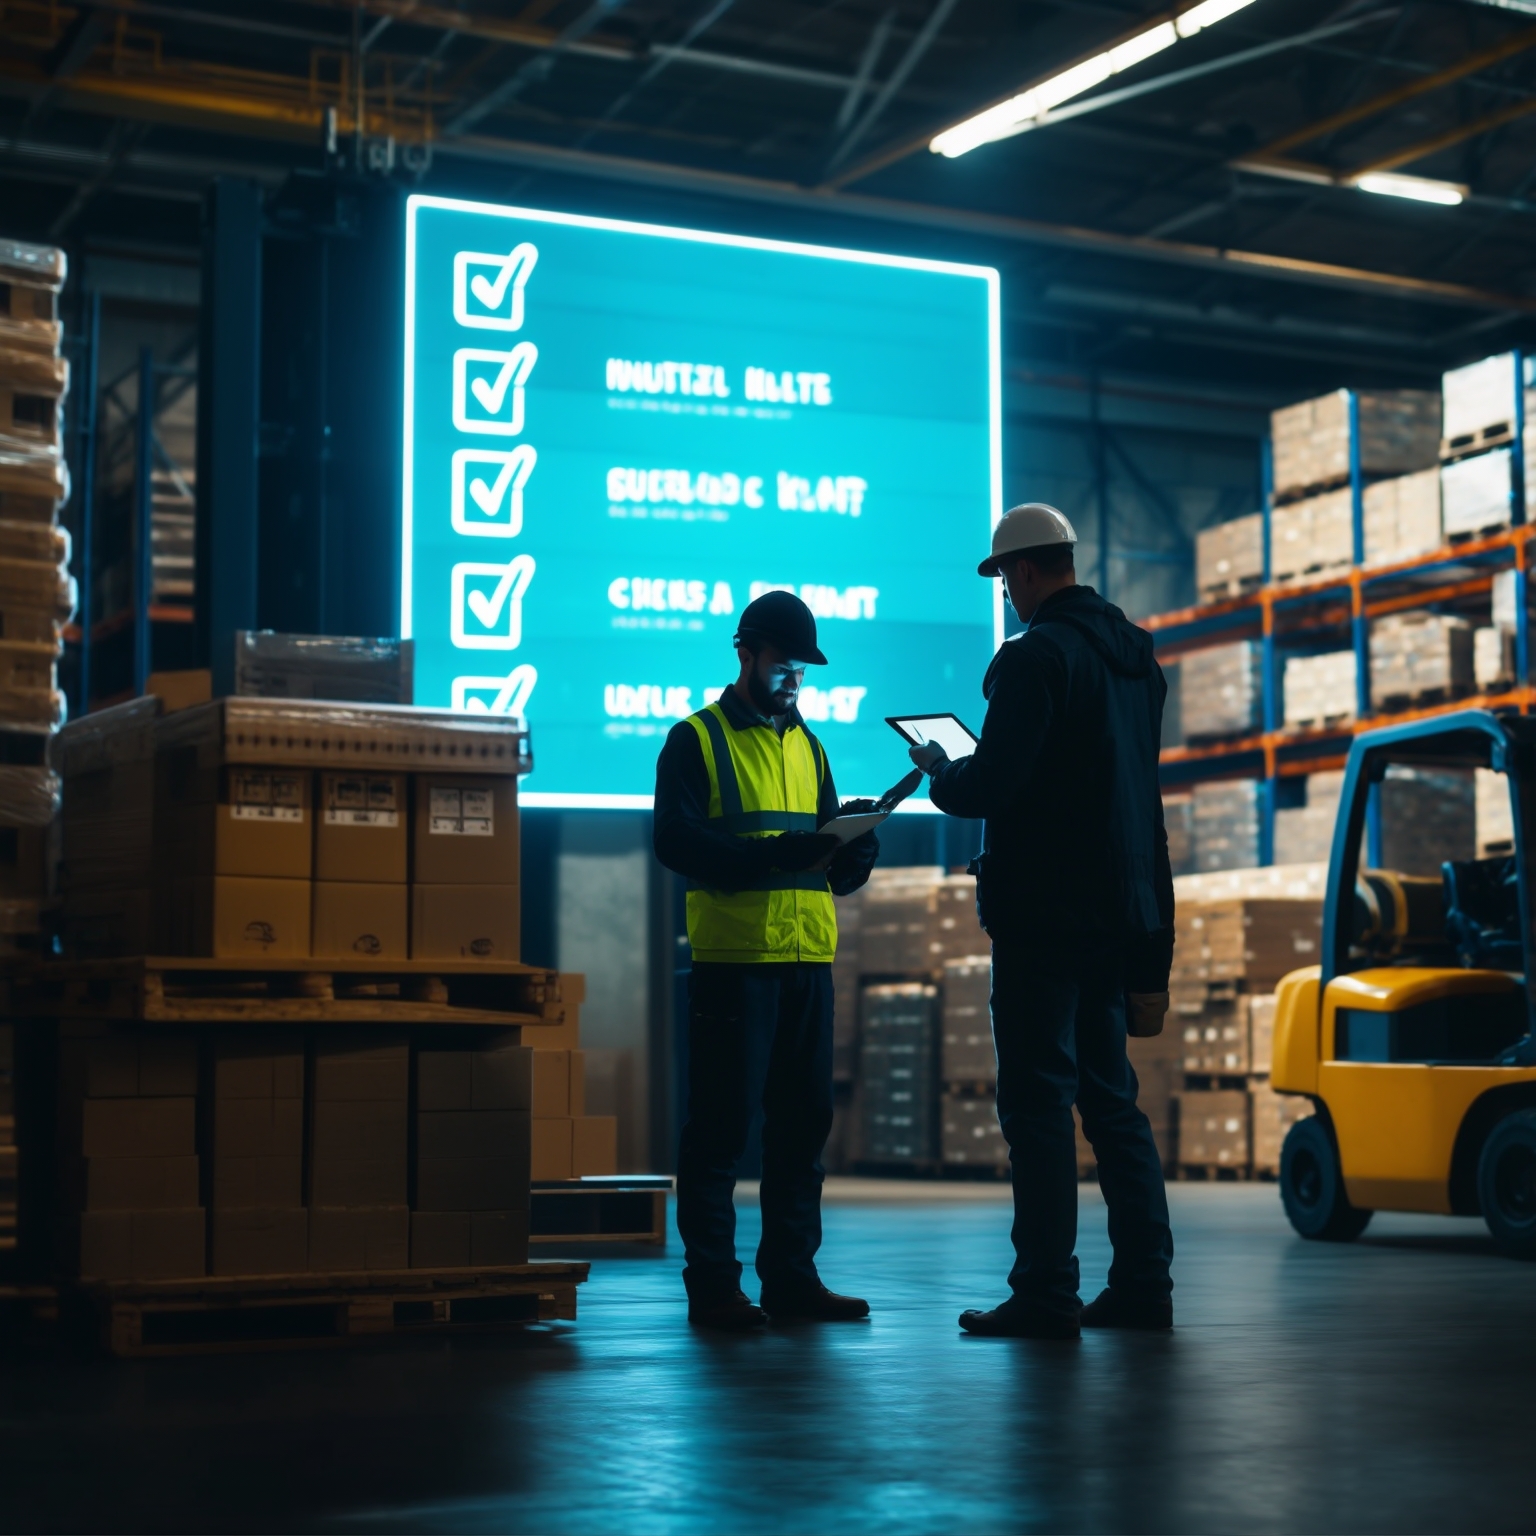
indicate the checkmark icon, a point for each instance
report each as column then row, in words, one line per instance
column 488, row 603
column 507, row 695
column 487, row 498
column 491, row 298
column 488, row 388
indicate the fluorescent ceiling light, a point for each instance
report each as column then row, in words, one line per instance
column 1419, row 189
column 1034, row 105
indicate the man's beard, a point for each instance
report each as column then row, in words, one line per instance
column 765, row 699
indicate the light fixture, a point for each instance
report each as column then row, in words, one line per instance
column 1034, row 105
column 1419, row 189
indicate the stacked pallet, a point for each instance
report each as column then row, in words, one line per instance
column 1477, row 471
column 970, row 1136
column 568, row 1143
column 1226, row 825
column 897, row 1087
column 1320, row 690
column 1493, row 814
column 1229, row 557
column 1221, row 691
column 1304, row 833
column 1428, row 816
column 1398, row 432
column 1420, row 658
column 1228, row 958
column 1313, row 537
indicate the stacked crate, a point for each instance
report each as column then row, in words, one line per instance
column 1402, row 517
column 970, row 1136
column 1229, row 557
column 1320, row 690
column 1304, row 833
column 1228, row 958
column 1493, row 645
column 897, row 1082
column 37, row 593
column 1313, row 537
column 1420, row 657
column 1477, row 472
column 1226, row 825
column 1221, row 691
column 568, row 1143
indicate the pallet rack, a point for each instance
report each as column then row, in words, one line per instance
column 1300, row 613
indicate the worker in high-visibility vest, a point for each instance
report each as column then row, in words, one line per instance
column 741, row 788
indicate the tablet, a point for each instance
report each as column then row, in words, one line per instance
column 957, row 739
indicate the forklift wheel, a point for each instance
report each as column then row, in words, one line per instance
column 1506, row 1183
column 1312, row 1186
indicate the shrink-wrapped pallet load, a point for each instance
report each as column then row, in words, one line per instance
column 1229, row 557
column 1420, row 657
column 1402, row 517
column 1226, row 823
column 1320, row 690
column 1221, row 690
column 1312, row 537
column 1399, row 431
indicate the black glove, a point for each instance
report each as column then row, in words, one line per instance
column 799, row 851
column 856, row 808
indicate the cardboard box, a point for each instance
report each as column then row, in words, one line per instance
column 578, row 1083
column 1213, row 1128
column 342, row 1240
column 472, row 1183
column 142, row 1245
column 233, row 917
column 259, row 826
column 466, row 830
column 551, row 1084
column 257, row 1128
column 358, row 1181
column 180, row 690
column 251, row 1064
column 270, row 1182
column 461, row 1239
column 472, row 1133
column 139, row 1183
column 594, row 1146
column 361, row 1064
column 133, row 1065
column 247, row 1241
column 498, row 1078
column 552, row 1149
column 361, row 829
column 465, row 922
column 139, row 1127
column 354, row 919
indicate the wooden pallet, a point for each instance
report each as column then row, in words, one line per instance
column 1294, row 493
column 1315, row 573
column 1497, row 434
column 1322, row 722
column 598, row 1211
column 218, row 1314
column 178, row 989
column 1233, row 586
column 1472, row 535
column 1425, row 698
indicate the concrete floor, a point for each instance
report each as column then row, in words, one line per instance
column 1385, row 1386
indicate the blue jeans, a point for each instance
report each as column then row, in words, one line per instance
column 759, row 1039
column 1059, row 1025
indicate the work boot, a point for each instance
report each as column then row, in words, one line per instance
column 1017, row 1319
column 727, row 1312
column 1122, row 1309
column 812, row 1303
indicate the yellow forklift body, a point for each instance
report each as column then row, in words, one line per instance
column 1396, row 1123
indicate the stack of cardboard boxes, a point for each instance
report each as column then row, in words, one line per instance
column 1226, row 825
column 1397, row 432
column 1229, row 557
column 568, row 1143
column 1420, row 657
column 1402, row 517
column 897, row 1091
column 969, row 1134
column 1221, row 691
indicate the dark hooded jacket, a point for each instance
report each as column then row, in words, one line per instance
column 1075, row 856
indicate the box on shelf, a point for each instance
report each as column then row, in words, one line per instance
column 967, row 1054
column 1503, row 599
column 270, row 665
column 362, row 831
column 1477, row 494
column 1402, row 517
column 1179, row 822
column 1428, row 816
column 1304, row 833
column 1229, row 557
column 1221, row 690
column 1250, row 942
column 1494, row 815
column 352, row 918
column 1271, row 1115
column 900, row 915
column 358, row 1132
column 465, row 922
column 1479, row 402
column 1493, row 658
column 1226, row 823
column 1399, row 432
column 1320, row 690
column 1420, row 655
column 1312, row 536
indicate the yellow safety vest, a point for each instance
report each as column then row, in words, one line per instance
column 761, row 784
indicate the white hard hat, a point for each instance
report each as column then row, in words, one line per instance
column 1026, row 527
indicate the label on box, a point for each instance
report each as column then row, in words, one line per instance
column 266, row 797
column 461, row 813
column 361, row 802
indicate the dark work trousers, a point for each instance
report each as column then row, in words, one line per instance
column 759, row 1037
column 1059, row 1024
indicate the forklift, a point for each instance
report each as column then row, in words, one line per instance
column 1414, row 1037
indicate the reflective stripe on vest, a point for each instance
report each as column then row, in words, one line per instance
column 761, row 784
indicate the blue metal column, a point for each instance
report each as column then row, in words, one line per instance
column 144, row 521
column 1360, row 633
column 1517, row 516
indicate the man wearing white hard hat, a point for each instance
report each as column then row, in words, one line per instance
column 1074, row 887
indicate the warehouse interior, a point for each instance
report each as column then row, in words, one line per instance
column 1263, row 328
